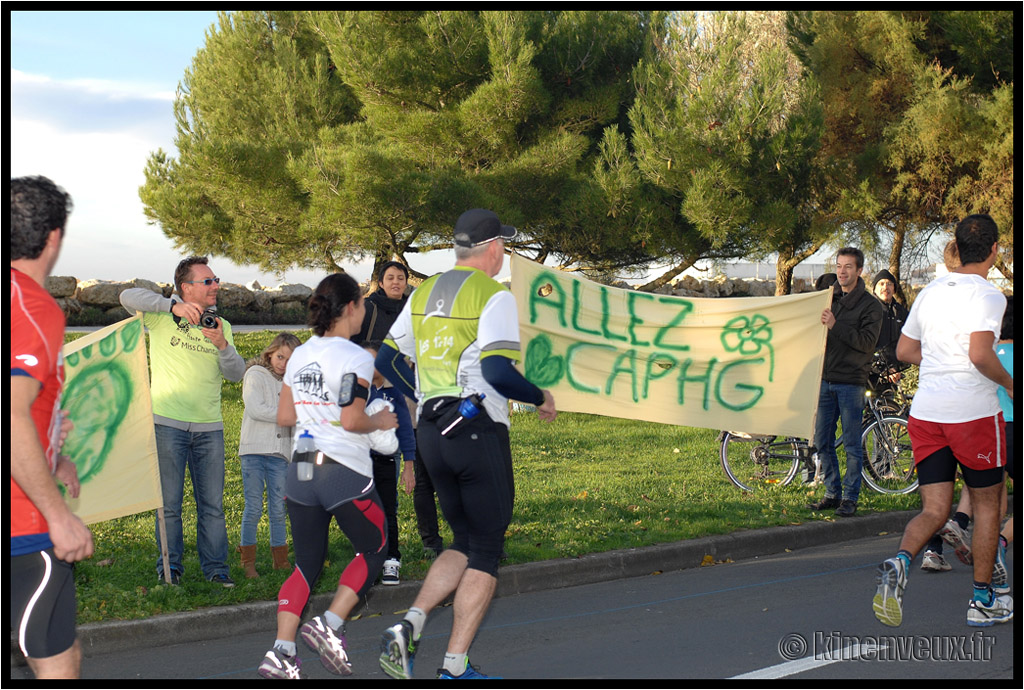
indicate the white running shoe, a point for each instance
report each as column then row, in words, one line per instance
column 1000, row 577
column 999, row 611
column 277, row 665
column 934, row 562
column 398, row 651
column 331, row 646
column 888, row 601
column 956, row 536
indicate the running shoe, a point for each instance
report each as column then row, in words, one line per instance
column 1000, row 578
column 980, row 615
column 329, row 644
column 956, row 536
column 888, row 601
column 390, row 576
column 277, row 665
column 471, row 673
column 398, row 651
column 934, row 562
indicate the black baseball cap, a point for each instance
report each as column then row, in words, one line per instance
column 479, row 226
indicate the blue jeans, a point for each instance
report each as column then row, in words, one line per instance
column 259, row 471
column 840, row 401
column 203, row 454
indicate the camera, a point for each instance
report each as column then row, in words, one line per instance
column 208, row 319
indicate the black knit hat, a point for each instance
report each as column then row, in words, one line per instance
column 885, row 275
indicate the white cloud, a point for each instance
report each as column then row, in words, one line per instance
column 102, row 167
column 109, row 88
column 93, row 138
column 108, row 236
column 91, row 105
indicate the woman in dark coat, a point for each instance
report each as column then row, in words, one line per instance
column 382, row 308
column 384, row 304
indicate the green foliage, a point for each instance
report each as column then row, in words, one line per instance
column 317, row 136
column 255, row 97
column 918, row 120
column 727, row 128
column 612, row 140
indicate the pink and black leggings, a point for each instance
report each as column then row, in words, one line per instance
column 351, row 500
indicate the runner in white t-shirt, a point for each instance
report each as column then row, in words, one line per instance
column 324, row 392
column 955, row 419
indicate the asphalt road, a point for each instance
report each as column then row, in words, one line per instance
column 804, row 614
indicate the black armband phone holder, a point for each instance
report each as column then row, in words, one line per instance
column 350, row 390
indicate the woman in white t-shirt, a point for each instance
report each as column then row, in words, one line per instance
column 324, row 393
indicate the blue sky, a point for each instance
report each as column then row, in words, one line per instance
column 91, row 98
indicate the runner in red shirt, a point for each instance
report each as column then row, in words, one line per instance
column 46, row 537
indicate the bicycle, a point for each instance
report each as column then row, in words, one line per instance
column 755, row 462
column 888, row 457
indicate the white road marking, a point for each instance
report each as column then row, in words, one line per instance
column 807, row 663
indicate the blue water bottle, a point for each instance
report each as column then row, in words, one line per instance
column 470, row 407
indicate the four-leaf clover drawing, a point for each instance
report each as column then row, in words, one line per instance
column 748, row 335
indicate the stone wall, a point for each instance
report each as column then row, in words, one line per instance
column 721, row 286
column 76, row 296
column 287, row 299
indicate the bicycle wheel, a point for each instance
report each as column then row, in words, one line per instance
column 888, row 459
column 755, row 463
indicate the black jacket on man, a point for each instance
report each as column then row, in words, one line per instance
column 851, row 341
column 892, row 325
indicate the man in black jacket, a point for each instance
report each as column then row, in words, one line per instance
column 854, row 321
column 886, row 290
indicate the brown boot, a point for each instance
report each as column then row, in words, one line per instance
column 248, row 554
column 280, row 554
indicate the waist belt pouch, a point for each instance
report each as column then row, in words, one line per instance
column 444, row 413
column 435, row 408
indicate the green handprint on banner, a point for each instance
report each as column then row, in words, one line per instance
column 542, row 368
column 747, row 335
column 96, row 399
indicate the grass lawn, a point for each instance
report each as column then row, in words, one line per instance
column 584, row 484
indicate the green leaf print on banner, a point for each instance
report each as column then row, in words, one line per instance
column 97, row 399
column 542, row 368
